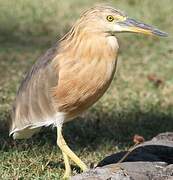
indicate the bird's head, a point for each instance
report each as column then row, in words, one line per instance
column 111, row 21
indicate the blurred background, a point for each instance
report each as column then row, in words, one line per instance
column 139, row 101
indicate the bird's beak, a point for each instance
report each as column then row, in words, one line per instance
column 131, row 25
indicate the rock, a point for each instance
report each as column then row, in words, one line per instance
column 109, row 172
column 151, row 160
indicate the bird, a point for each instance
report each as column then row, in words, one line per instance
column 72, row 75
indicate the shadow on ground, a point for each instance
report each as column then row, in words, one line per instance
column 116, row 128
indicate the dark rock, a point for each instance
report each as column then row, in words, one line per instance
column 151, row 160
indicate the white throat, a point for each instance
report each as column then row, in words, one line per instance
column 112, row 41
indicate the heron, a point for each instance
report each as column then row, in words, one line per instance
column 72, row 75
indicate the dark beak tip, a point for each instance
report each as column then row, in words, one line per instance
column 160, row 33
column 165, row 34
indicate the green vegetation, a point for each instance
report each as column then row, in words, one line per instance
column 139, row 101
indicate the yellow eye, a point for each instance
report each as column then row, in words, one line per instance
column 110, row 18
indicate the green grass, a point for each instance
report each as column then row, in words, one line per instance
column 132, row 105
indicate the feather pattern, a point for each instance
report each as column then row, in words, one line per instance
column 67, row 80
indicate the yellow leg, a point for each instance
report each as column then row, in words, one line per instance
column 68, row 152
column 67, row 166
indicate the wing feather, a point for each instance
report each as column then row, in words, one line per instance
column 33, row 106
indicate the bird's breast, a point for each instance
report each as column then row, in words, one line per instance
column 81, row 85
column 82, row 81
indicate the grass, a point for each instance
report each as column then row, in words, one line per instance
column 139, row 101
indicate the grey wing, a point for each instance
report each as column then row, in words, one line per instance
column 33, row 105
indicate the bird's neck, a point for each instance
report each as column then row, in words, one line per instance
column 90, row 46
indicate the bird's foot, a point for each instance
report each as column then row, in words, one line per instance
column 83, row 166
column 67, row 175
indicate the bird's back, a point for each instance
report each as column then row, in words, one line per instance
column 33, row 105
